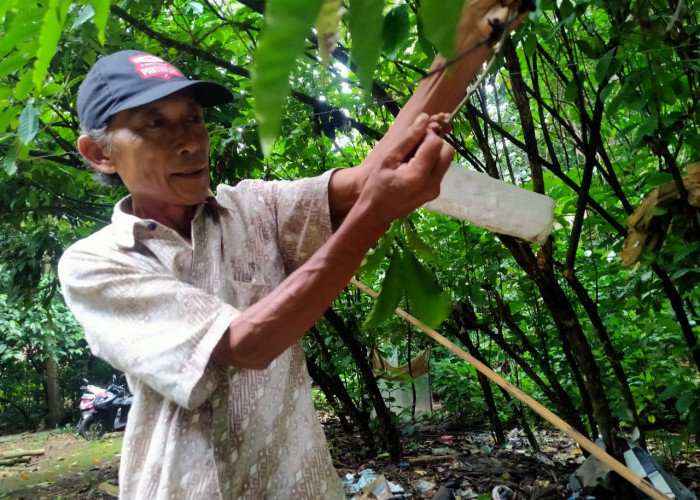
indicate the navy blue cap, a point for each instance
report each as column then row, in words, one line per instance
column 131, row 78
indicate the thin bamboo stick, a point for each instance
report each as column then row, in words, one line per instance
column 545, row 413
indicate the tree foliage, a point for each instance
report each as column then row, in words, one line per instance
column 594, row 103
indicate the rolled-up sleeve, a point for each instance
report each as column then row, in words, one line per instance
column 299, row 208
column 147, row 323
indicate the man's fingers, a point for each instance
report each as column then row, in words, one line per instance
column 410, row 141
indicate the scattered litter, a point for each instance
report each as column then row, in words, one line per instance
column 423, row 486
column 378, row 489
column 593, row 477
column 502, row 492
column 368, row 485
column 446, row 439
column 542, row 458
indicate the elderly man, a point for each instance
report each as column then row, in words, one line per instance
column 202, row 300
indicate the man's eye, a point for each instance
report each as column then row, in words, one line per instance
column 155, row 123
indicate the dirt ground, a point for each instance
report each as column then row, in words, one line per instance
column 69, row 468
column 463, row 460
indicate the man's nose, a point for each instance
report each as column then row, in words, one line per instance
column 188, row 138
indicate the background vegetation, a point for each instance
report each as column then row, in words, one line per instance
column 593, row 102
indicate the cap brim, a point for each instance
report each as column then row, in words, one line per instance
column 206, row 93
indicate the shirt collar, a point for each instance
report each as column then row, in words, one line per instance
column 131, row 229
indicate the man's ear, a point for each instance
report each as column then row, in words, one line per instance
column 98, row 156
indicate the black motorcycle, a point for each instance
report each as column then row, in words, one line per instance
column 109, row 411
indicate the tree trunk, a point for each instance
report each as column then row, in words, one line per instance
column 496, row 424
column 322, row 380
column 613, row 356
column 337, row 389
column 392, row 439
column 53, row 394
column 541, row 271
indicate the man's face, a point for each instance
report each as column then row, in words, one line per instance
column 161, row 151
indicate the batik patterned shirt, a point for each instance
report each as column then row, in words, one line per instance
column 154, row 306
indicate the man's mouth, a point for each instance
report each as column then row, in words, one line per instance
column 191, row 174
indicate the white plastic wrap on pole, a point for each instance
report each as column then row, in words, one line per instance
column 494, row 205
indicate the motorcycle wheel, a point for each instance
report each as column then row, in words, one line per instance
column 92, row 428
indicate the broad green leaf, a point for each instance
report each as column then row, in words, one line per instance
column 327, row 25
column 23, row 86
column 12, row 63
column 530, row 45
column 50, row 34
column 376, row 254
column 365, row 24
column 428, row 48
column 658, row 178
column 428, row 302
column 287, row 23
column 389, row 296
column 601, row 69
column 101, row 8
column 439, row 19
column 571, row 91
column 6, row 5
column 395, row 30
column 9, row 162
column 24, row 27
column 415, row 243
column 7, row 116
column 85, row 14
column 28, row 124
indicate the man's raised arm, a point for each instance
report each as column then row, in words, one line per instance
column 440, row 92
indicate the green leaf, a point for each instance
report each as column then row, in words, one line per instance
column 428, row 302
column 86, row 13
column 10, row 64
column 9, row 162
column 23, row 86
column 101, row 8
column 601, row 69
column 395, row 31
column 376, row 255
column 530, row 45
column 24, row 27
column 658, row 178
column 7, row 116
column 327, row 24
column 415, row 243
column 439, row 19
column 28, row 124
column 50, row 34
column 389, row 296
column 365, row 22
column 287, row 23
column 571, row 91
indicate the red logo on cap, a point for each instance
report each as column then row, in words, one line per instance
column 149, row 66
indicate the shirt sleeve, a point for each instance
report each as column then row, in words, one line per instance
column 300, row 209
column 145, row 322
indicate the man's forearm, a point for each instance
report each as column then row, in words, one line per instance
column 439, row 93
column 267, row 328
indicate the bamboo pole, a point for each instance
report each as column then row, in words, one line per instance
column 545, row 413
column 20, row 453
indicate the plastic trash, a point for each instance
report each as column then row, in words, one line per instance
column 594, row 478
column 494, row 205
column 423, row 486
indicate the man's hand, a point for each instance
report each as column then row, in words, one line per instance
column 408, row 175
